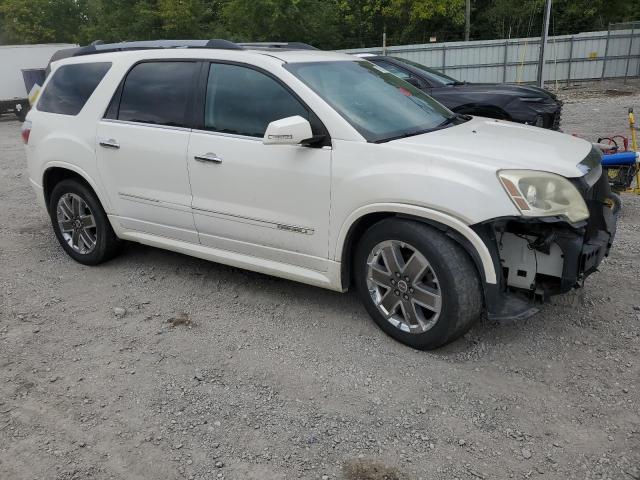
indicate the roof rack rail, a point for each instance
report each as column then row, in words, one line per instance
column 278, row 45
column 100, row 47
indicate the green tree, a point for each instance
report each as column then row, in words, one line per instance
column 416, row 20
column 39, row 21
column 573, row 16
column 185, row 18
column 120, row 20
column 313, row 21
column 506, row 18
column 325, row 23
column 360, row 22
column 501, row 18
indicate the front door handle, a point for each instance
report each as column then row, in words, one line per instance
column 111, row 143
column 208, row 157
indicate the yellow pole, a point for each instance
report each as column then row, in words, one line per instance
column 634, row 147
column 632, row 126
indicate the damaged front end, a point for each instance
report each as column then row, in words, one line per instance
column 536, row 258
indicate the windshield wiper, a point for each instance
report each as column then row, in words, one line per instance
column 447, row 121
column 407, row 134
column 412, row 133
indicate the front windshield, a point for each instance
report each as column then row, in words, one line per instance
column 379, row 105
column 432, row 74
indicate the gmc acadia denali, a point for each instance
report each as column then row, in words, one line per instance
column 317, row 167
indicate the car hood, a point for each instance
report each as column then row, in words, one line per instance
column 506, row 89
column 500, row 145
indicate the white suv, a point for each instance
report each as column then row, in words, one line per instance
column 317, row 167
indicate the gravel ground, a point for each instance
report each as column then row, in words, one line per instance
column 214, row 372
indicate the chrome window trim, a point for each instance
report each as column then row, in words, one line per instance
column 192, row 130
column 144, row 124
column 225, row 134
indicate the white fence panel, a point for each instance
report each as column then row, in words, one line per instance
column 584, row 56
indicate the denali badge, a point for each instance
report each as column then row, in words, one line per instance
column 291, row 228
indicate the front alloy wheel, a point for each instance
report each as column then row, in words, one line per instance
column 403, row 286
column 420, row 287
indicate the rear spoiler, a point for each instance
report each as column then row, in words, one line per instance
column 59, row 55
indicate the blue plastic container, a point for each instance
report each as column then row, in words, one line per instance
column 619, row 159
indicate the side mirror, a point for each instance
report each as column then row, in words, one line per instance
column 287, row 131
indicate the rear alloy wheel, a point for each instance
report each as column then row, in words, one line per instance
column 76, row 223
column 81, row 224
column 21, row 113
column 418, row 285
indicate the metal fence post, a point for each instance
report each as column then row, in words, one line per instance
column 626, row 68
column 384, row 42
column 638, row 69
column 606, row 52
column 638, row 58
column 570, row 59
column 504, row 64
column 444, row 57
column 543, row 44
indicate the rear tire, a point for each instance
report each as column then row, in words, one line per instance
column 418, row 285
column 81, row 224
column 22, row 114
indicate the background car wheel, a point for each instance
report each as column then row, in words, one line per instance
column 80, row 223
column 22, row 114
column 418, row 285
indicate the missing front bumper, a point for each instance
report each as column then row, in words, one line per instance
column 538, row 258
column 549, row 259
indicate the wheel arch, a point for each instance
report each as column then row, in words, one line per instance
column 55, row 172
column 365, row 217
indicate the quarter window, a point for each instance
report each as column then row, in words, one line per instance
column 243, row 101
column 71, row 86
column 157, row 93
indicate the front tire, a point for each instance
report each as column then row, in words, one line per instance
column 81, row 224
column 418, row 285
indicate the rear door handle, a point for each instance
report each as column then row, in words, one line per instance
column 111, row 143
column 208, row 157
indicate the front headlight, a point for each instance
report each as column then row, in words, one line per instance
column 543, row 194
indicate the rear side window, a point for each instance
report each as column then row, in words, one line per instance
column 157, row 92
column 71, row 86
column 243, row 101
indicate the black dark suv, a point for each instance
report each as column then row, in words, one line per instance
column 517, row 103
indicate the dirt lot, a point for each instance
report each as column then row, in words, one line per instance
column 215, row 372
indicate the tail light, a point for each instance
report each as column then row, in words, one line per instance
column 26, row 131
